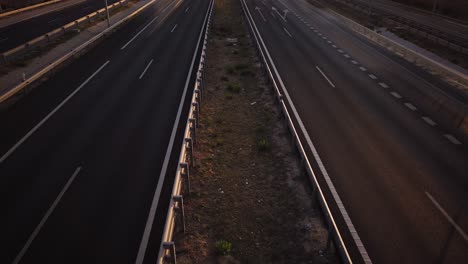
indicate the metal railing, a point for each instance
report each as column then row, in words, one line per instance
column 45, row 39
column 181, row 185
column 76, row 51
column 333, row 230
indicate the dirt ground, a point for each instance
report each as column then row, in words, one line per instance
column 362, row 18
column 246, row 186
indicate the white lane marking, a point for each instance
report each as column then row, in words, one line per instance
column 174, row 28
column 340, row 51
column 363, row 69
column 334, row 46
column 372, row 76
column 329, row 42
column 429, row 121
column 320, row 34
column 346, row 56
column 325, row 38
column 143, row 73
column 36, row 127
column 187, row 9
column 263, row 2
column 447, row 216
column 273, row 15
column 354, row 62
column 452, row 139
column 396, row 95
column 45, row 217
column 137, row 34
column 260, row 12
column 384, row 85
column 287, row 32
column 316, row 31
column 336, row 196
column 157, row 193
column 325, row 76
column 411, row 106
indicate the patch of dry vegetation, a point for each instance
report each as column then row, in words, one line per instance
column 250, row 202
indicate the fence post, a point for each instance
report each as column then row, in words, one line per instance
column 180, row 209
column 190, row 149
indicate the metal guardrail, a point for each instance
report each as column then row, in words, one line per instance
column 452, row 41
column 13, row 53
column 78, row 50
column 333, row 230
column 20, row 10
column 167, row 251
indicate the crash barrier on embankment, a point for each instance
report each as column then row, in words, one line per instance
column 175, row 220
column 47, row 38
column 70, row 55
column 451, row 111
column 28, row 8
column 285, row 104
column 451, row 41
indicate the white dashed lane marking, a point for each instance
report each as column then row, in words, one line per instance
column 354, row 62
column 411, row 106
column 384, row 85
column 429, row 121
column 396, row 95
column 372, row 76
column 362, row 69
column 452, row 139
column 346, row 56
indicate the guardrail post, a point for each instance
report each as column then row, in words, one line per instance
column 171, row 258
column 190, row 149
column 193, row 130
column 198, row 97
column 180, row 209
column 186, row 174
column 196, row 112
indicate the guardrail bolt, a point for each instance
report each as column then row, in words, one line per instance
column 186, row 174
column 189, row 141
column 171, row 257
column 180, row 210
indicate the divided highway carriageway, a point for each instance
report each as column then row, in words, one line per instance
column 84, row 157
column 401, row 174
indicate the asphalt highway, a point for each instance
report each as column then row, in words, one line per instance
column 445, row 26
column 399, row 171
column 19, row 33
column 82, row 155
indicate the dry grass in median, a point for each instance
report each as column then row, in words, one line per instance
column 249, row 201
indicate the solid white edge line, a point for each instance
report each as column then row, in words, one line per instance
column 325, row 76
column 45, row 217
column 447, row 216
column 287, row 32
column 357, row 239
column 154, row 204
column 36, row 127
column 144, row 71
column 452, row 139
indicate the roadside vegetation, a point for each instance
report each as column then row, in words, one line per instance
column 249, row 202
